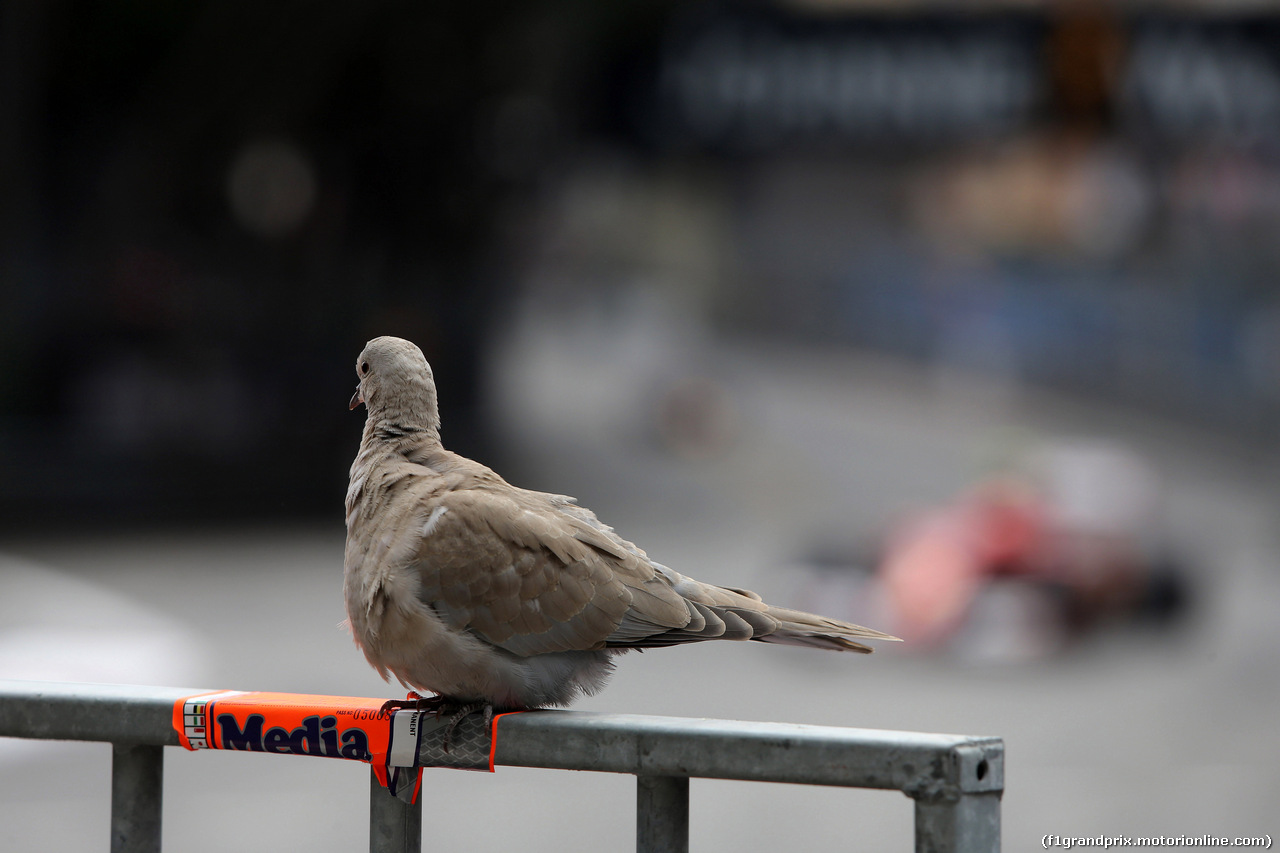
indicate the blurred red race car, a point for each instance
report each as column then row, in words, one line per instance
column 1021, row 563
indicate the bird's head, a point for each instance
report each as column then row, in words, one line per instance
column 396, row 384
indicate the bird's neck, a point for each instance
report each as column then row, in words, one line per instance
column 388, row 427
column 409, row 410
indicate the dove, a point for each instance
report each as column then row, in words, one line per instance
column 492, row 596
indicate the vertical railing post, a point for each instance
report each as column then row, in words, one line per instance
column 394, row 825
column 137, row 788
column 662, row 814
column 969, row 823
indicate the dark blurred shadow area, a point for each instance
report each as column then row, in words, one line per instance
column 208, row 207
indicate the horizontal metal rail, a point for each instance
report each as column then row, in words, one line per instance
column 955, row 781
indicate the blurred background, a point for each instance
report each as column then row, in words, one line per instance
column 958, row 320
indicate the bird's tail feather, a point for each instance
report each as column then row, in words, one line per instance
column 796, row 628
column 723, row 613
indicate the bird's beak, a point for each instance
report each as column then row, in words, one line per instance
column 356, row 399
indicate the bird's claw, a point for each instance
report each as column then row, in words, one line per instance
column 440, row 707
column 414, row 701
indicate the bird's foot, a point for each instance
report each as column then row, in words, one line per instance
column 440, row 707
column 458, row 712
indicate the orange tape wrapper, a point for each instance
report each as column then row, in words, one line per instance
column 398, row 744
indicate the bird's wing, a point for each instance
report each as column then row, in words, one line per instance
column 508, row 566
column 715, row 612
column 534, row 573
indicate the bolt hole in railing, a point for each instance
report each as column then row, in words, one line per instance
column 955, row 781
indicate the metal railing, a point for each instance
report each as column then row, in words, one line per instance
column 955, row 781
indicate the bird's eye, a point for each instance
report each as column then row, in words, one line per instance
column 364, row 368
